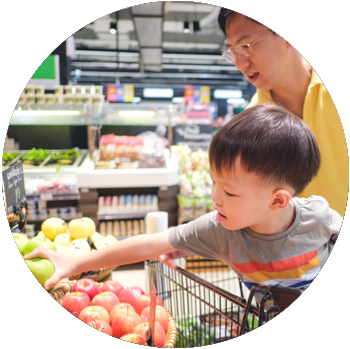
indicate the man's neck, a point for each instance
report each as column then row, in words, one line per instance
column 279, row 221
column 290, row 93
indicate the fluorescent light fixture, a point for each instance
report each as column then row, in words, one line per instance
column 136, row 113
column 177, row 100
column 225, row 94
column 136, row 100
column 158, row 92
column 235, row 101
column 186, row 27
column 113, row 28
column 46, row 112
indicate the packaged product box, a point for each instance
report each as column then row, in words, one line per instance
column 49, row 98
column 68, row 89
column 39, row 89
column 98, row 90
column 78, row 99
column 78, row 89
column 87, row 99
column 21, row 99
column 29, row 98
column 40, row 99
column 30, row 89
column 87, row 89
column 58, row 97
column 98, row 99
column 68, row 99
column 59, row 89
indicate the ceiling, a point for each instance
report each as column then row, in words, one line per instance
column 151, row 49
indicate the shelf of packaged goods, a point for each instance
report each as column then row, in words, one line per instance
column 54, row 197
column 106, row 215
column 89, row 177
column 66, row 218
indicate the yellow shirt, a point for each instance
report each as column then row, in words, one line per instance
column 320, row 114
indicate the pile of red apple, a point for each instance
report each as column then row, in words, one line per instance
column 120, row 312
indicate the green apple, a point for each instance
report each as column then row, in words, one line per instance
column 41, row 268
column 21, row 241
column 33, row 243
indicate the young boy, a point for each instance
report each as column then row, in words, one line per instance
column 259, row 161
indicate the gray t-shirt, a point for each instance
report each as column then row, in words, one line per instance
column 292, row 258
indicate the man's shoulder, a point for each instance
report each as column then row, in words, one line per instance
column 260, row 97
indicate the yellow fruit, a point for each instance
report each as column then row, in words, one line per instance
column 96, row 236
column 80, row 243
column 62, row 249
column 76, row 251
column 81, row 228
column 41, row 235
column 100, row 244
column 110, row 239
column 62, row 239
column 53, row 226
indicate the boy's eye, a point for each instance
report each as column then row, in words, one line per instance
column 229, row 194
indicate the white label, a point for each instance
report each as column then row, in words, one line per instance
column 46, row 196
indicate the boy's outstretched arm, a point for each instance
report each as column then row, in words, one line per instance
column 132, row 250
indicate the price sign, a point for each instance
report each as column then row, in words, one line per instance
column 13, row 184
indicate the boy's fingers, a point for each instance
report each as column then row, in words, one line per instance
column 41, row 251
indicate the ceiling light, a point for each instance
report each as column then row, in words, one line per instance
column 136, row 100
column 236, row 101
column 113, row 28
column 177, row 100
column 225, row 94
column 136, row 113
column 186, row 27
column 158, row 92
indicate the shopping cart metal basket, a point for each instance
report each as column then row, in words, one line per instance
column 211, row 305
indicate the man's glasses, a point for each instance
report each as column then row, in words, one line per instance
column 245, row 50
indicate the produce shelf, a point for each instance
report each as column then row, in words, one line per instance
column 89, row 177
column 65, row 218
column 54, row 197
column 122, row 214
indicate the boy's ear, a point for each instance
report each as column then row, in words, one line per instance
column 280, row 199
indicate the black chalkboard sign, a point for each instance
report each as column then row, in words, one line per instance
column 195, row 136
column 13, row 185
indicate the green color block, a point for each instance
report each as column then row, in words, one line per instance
column 47, row 69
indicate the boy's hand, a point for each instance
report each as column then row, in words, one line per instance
column 64, row 265
column 168, row 258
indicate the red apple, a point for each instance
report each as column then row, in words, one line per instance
column 113, row 286
column 129, row 295
column 159, row 335
column 102, row 326
column 88, row 286
column 134, row 338
column 106, row 300
column 138, row 288
column 120, row 308
column 161, row 316
column 75, row 302
column 94, row 312
column 144, row 301
column 124, row 323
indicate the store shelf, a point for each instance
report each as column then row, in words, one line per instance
column 122, row 214
column 66, row 218
column 89, row 177
column 54, row 197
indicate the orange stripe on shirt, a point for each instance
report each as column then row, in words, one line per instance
column 262, row 276
column 278, row 266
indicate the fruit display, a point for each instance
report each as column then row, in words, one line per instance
column 194, row 198
column 107, row 313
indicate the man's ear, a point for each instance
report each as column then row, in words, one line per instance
column 280, row 199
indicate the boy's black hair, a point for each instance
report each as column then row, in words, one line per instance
column 277, row 146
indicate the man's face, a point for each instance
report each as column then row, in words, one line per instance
column 240, row 198
column 266, row 65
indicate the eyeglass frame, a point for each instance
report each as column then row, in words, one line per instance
column 248, row 45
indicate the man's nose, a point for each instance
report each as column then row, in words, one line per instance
column 242, row 62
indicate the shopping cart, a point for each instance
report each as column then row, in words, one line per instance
column 205, row 304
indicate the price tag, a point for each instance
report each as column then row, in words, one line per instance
column 46, row 196
column 13, row 183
